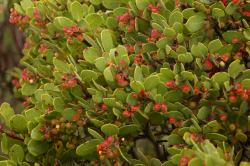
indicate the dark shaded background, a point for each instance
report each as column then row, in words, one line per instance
column 11, row 44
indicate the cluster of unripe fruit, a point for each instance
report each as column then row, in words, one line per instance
column 108, row 148
column 16, row 83
column 69, row 82
column 63, row 130
column 18, row 19
column 153, row 8
column 125, row 20
column 42, row 48
column 130, row 112
column 72, row 32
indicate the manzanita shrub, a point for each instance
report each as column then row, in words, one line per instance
column 102, row 74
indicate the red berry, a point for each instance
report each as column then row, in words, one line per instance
column 240, row 91
column 35, row 12
column 37, row 17
column 126, row 15
column 24, row 78
column 122, row 18
column 118, row 76
column 170, row 84
column 223, row 117
column 235, row 2
column 116, row 153
column 208, row 10
column 239, row 54
column 72, row 82
column 227, row 156
column 232, row 99
column 231, row 93
column 208, row 64
column 80, row 38
column 238, row 85
column 111, row 139
column 120, row 82
column 156, row 107
column 70, row 40
column 142, row 92
column 105, row 143
column 136, row 58
column 132, row 48
column 196, row 90
column 76, row 118
column 54, row 131
column 150, row 6
column 122, row 63
column 224, row 57
column 109, row 154
column 172, row 120
column 126, row 113
column 232, row 127
column 99, row 147
column 193, row 136
column 64, row 77
column 104, row 106
column 184, row 160
column 185, row 88
column 248, row 91
column 41, row 129
column 244, row 97
column 135, row 108
column 132, row 22
column 46, row 135
column 135, row 95
column 65, row 29
column 118, row 18
column 64, row 85
column 177, row 4
column 130, row 28
column 192, row 104
column 25, row 103
column 247, row 13
column 154, row 34
column 75, row 29
column 163, row 106
column 235, row 40
column 155, row 10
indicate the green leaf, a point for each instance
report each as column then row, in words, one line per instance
column 18, row 123
column 151, row 82
column 36, row 134
column 68, row 114
column 95, row 134
column 61, row 22
column 210, row 126
column 36, row 148
column 111, row 4
column 195, row 161
column 28, row 88
column 173, row 96
column 112, row 23
column 96, row 2
column 155, row 118
column 26, row 4
column 137, row 86
column 195, row 23
column 101, row 63
column 235, row 68
column 58, row 104
column 216, row 13
column 241, row 137
column 61, row 66
column 175, row 139
column 32, row 113
column 109, row 75
column 110, row 129
column 214, row 45
column 6, row 113
column 175, row 17
column 199, row 50
column 216, row 136
column 230, row 34
column 142, row 5
column 88, row 147
column 94, row 20
column 138, row 74
column 107, row 41
column 187, row 75
column 128, row 129
column 16, row 153
column 220, row 78
column 88, row 75
column 77, row 10
column 203, row 113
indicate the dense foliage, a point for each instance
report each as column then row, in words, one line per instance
column 102, row 74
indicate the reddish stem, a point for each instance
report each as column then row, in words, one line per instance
column 12, row 136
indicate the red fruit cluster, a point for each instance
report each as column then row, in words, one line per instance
column 26, row 103
column 240, row 91
column 16, row 83
column 18, row 19
column 126, row 21
column 153, row 8
column 154, row 35
column 130, row 48
column 208, row 64
column 108, row 149
column 42, row 48
column 29, row 76
column 74, row 32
